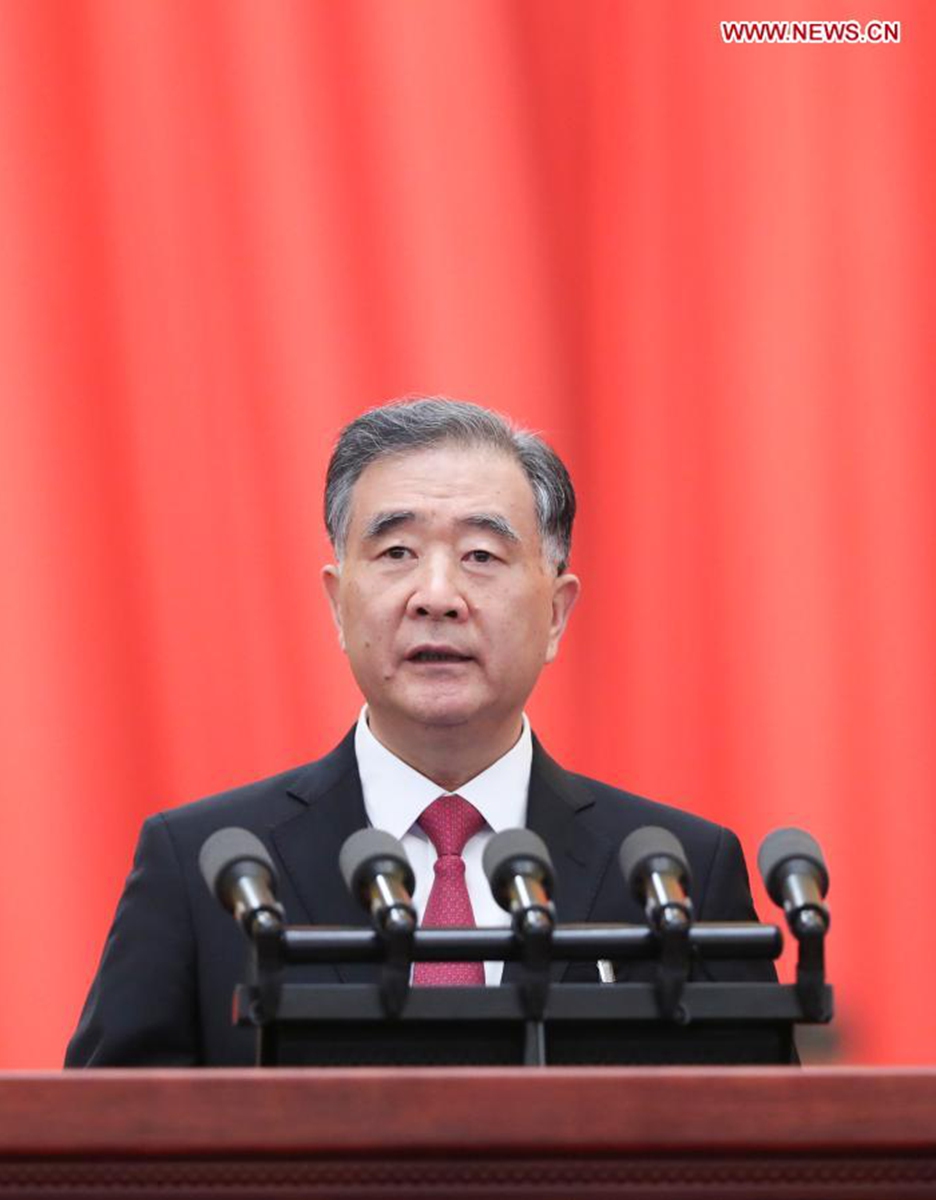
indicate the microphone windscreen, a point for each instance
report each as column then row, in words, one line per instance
column 644, row 845
column 373, row 845
column 514, row 845
column 228, row 846
column 782, row 845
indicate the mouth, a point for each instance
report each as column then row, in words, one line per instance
column 441, row 655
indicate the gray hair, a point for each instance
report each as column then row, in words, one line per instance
column 414, row 424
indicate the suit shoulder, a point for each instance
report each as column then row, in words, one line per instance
column 714, row 853
column 262, row 802
column 616, row 807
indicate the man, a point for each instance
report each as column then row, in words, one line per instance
column 450, row 591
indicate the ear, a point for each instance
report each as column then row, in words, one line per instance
column 566, row 591
column 331, row 581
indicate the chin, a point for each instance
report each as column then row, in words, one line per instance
column 444, row 716
column 437, row 703
column 442, row 712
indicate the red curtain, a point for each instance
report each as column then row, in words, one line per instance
column 704, row 270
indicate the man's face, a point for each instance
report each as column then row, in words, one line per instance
column 445, row 603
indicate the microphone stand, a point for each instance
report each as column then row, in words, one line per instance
column 674, row 934
column 265, row 971
column 665, row 1017
column 396, row 936
column 534, row 928
column 809, row 930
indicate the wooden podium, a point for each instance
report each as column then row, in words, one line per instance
column 460, row 1133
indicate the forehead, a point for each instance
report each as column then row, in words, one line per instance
column 445, row 482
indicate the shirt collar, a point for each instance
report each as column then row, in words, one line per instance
column 395, row 795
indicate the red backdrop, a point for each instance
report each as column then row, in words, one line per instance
column 706, row 271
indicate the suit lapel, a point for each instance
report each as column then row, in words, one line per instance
column 309, row 843
column 557, row 809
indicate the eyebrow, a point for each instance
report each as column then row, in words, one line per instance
column 383, row 522
column 493, row 523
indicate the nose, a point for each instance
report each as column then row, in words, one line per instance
column 436, row 593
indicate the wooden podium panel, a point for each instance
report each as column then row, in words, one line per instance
column 459, row 1134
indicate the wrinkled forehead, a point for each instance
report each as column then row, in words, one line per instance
column 445, row 482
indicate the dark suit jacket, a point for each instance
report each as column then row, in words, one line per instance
column 162, row 994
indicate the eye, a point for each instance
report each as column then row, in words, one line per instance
column 480, row 556
column 396, row 552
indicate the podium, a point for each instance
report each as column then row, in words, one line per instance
column 461, row 1133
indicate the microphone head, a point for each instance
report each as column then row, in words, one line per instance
column 790, row 847
column 369, row 852
column 516, row 852
column 226, row 847
column 652, row 848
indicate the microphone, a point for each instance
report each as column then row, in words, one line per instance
column 520, row 872
column 239, row 872
column 378, row 874
column 654, row 867
column 795, row 876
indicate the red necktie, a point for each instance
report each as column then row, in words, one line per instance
column 448, row 823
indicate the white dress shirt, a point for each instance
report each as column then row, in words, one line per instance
column 396, row 795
